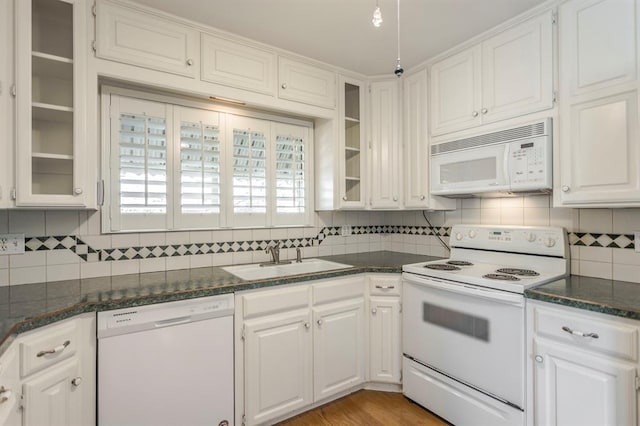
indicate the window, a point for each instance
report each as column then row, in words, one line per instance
column 183, row 167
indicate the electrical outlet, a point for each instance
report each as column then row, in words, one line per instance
column 345, row 231
column 636, row 241
column 11, row 244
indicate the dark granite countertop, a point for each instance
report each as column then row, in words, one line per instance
column 29, row 306
column 619, row 298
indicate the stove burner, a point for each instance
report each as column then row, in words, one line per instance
column 442, row 267
column 518, row 271
column 459, row 263
column 501, row 277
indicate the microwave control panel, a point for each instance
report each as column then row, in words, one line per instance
column 530, row 164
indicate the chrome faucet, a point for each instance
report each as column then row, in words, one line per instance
column 274, row 250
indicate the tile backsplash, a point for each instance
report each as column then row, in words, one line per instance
column 63, row 245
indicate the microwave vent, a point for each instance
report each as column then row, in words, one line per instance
column 509, row 135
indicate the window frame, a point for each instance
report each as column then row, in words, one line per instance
column 112, row 220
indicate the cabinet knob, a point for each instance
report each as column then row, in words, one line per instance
column 539, row 359
column 374, row 311
column 422, row 197
column 319, row 322
column 76, row 381
column 307, row 324
column 344, row 198
column 395, row 198
column 565, row 188
column 77, row 191
column 4, row 394
column 189, row 62
column 284, row 85
column 484, row 110
column 474, row 114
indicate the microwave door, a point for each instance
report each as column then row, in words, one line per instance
column 471, row 171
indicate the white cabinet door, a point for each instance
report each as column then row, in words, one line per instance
column 53, row 397
column 53, row 161
column 598, row 44
column 385, row 146
column 517, row 70
column 338, row 347
column 599, row 157
column 277, row 365
column 384, row 345
column 306, row 83
column 135, row 37
column 238, row 65
column 573, row 388
column 456, row 92
column 7, row 119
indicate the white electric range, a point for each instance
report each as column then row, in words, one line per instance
column 463, row 321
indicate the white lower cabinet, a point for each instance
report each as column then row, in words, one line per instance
column 48, row 375
column 304, row 344
column 584, row 367
column 278, row 365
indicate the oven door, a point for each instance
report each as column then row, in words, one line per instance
column 471, row 334
column 470, row 171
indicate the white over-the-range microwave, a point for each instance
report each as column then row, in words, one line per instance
column 517, row 160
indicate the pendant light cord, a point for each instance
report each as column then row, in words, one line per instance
column 398, row 16
column 445, row 245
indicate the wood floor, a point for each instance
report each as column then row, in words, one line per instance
column 368, row 408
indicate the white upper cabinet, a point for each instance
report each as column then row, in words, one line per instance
column 415, row 164
column 599, row 161
column 507, row 75
column 306, row 83
column 53, row 160
column 140, row 38
column 385, row 145
column 238, row 65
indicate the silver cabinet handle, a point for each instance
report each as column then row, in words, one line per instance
column 284, row 85
column 57, row 349
column 76, row 381
column 539, row 359
column 189, row 62
column 385, row 287
column 484, row 110
column 474, row 114
column 580, row 333
column 319, row 322
column 422, row 197
column 374, row 311
column 565, row 188
column 77, row 191
column 307, row 324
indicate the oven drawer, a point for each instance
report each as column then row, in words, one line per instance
column 579, row 329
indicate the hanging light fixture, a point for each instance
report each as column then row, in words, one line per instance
column 377, row 16
column 399, row 70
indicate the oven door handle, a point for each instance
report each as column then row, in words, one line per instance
column 469, row 290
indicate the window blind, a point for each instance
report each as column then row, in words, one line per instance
column 249, row 172
column 290, row 174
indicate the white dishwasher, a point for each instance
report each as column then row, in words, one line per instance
column 167, row 364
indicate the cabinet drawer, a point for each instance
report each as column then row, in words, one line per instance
column 340, row 289
column 384, row 286
column 305, row 83
column 138, row 38
column 238, row 65
column 275, row 300
column 614, row 339
column 47, row 346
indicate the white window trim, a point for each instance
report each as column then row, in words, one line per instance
column 225, row 220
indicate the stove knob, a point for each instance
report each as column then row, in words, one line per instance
column 458, row 236
column 550, row 242
column 531, row 237
column 472, row 233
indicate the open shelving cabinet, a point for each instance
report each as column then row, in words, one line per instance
column 353, row 150
column 51, row 125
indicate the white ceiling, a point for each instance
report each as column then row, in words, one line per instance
column 340, row 32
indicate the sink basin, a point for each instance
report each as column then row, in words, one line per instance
column 307, row 266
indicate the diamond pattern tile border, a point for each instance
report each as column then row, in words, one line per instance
column 89, row 254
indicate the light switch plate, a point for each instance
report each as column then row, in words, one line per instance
column 11, row 244
column 636, row 241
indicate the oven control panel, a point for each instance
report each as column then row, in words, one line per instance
column 550, row 241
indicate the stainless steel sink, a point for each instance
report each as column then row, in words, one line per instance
column 307, row 266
